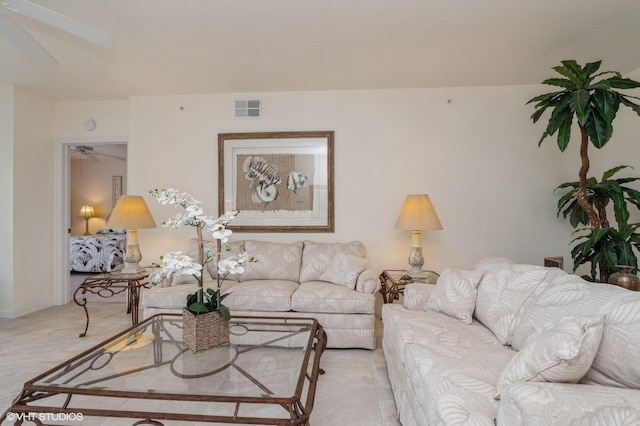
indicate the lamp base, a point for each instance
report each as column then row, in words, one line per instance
column 418, row 274
column 132, row 268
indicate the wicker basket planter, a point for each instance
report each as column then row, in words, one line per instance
column 204, row 331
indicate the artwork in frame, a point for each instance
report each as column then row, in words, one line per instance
column 117, row 189
column 279, row 181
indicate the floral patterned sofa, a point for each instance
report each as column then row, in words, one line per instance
column 511, row 344
column 325, row 281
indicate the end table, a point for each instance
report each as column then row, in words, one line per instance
column 394, row 281
column 110, row 284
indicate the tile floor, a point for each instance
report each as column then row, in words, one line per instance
column 355, row 389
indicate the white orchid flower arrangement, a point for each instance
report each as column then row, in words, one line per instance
column 178, row 263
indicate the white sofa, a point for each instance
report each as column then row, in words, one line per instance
column 325, row 281
column 533, row 330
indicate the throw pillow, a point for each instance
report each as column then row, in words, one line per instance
column 344, row 269
column 316, row 257
column 561, row 354
column 455, row 294
column 274, row 261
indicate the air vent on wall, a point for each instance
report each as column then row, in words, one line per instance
column 248, row 108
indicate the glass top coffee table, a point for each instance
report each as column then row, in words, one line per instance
column 266, row 375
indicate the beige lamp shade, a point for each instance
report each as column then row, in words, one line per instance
column 131, row 212
column 418, row 213
column 87, row 211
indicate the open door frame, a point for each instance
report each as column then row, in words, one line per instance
column 62, row 210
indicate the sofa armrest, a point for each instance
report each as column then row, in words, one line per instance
column 529, row 403
column 416, row 296
column 368, row 282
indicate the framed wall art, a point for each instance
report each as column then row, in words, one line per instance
column 117, row 189
column 279, row 181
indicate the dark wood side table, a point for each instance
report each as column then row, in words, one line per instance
column 108, row 285
column 394, row 280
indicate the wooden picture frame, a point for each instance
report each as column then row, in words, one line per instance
column 279, row 181
column 117, row 189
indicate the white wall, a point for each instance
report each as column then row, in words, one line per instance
column 474, row 150
column 6, row 200
column 33, row 202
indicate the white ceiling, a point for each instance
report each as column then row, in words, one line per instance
column 215, row 46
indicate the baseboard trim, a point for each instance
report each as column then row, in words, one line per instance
column 16, row 314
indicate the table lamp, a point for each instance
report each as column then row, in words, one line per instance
column 87, row 212
column 417, row 214
column 131, row 212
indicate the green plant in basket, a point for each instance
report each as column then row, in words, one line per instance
column 178, row 263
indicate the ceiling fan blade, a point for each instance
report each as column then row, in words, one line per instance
column 115, row 157
column 59, row 21
column 24, row 41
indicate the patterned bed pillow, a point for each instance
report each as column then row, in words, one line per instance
column 455, row 294
column 561, row 354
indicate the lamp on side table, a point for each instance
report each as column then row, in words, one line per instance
column 417, row 214
column 131, row 213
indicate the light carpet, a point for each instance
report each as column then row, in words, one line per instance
column 354, row 391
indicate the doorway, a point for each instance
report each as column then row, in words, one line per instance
column 87, row 169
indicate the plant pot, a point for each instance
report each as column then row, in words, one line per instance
column 624, row 278
column 204, row 331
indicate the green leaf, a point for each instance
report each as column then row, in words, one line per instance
column 622, row 83
column 599, row 129
column 560, row 82
column 198, row 308
column 591, row 67
column 578, row 216
column 611, row 172
column 579, row 102
column 192, row 298
column 603, row 84
column 569, row 72
column 544, row 99
column 625, row 254
column 607, row 103
column 573, row 68
column 544, row 136
column 225, row 312
column 564, row 134
column 619, row 206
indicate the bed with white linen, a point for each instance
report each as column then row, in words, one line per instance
column 103, row 252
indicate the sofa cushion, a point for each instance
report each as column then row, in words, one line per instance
column 452, row 367
column 319, row 296
column 569, row 296
column 317, row 258
column 501, row 293
column 455, row 294
column 176, row 297
column 273, row 261
column 404, row 327
column 459, row 382
column 261, row 295
column 561, row 354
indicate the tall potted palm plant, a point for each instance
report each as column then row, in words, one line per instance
column 590, row 98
